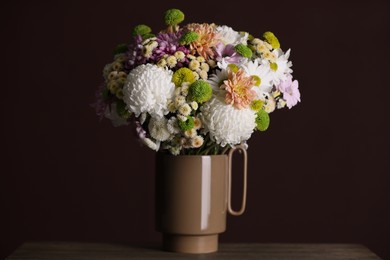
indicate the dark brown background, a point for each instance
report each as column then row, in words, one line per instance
column 320, row 174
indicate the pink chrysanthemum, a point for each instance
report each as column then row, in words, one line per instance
column 290, row 91
column 239, row 89
column 208, row 39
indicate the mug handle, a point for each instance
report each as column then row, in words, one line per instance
column 243, row 203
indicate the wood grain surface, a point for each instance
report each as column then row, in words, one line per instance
column 97, row 251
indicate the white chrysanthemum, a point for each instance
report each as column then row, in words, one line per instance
column 147, row 89
column 226, row 124
column 283, row 67
column 158, row 129
column 230, row 36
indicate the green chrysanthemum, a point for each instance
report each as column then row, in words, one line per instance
column 173, row 17
column 271, row 39
column 183, row 75
column 188, row 38
column 141, row 29
column 243, row 50
column 200, row 91
column 186, row 125
column 120, row 48
column 262, row 120
column 257, row 105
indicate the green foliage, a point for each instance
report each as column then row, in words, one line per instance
column 148, row 35
column 105, row 93
column 120, row 48
column 121, row 109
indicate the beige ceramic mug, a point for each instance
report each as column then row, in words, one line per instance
column 193, row 195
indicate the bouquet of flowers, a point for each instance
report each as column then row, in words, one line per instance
column 198, row 88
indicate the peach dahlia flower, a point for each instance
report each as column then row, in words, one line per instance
column 238, row 88
column 208, row 39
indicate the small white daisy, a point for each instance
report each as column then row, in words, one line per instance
column 185, row 110
column 283, row 69
column 197, row 141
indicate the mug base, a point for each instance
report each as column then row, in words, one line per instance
column 198, row 244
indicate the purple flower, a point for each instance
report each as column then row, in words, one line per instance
column 228, row 53
column 290, row 91
column 168, row 43
column 141, row 133
column 135, row 56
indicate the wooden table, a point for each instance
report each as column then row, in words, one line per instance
column 97, row 251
